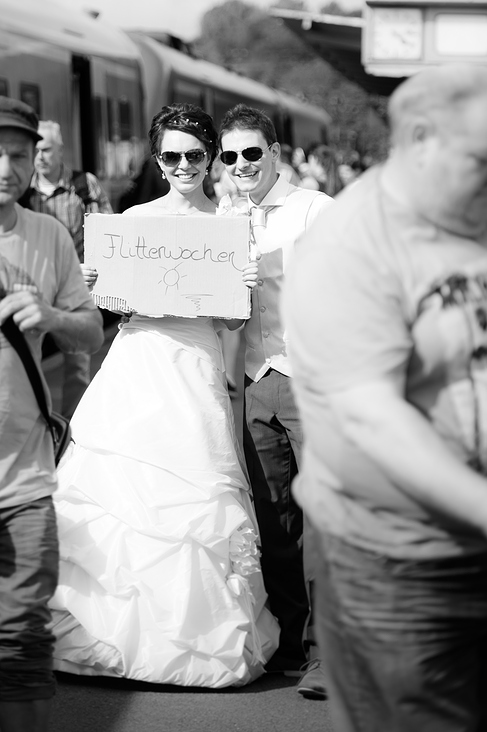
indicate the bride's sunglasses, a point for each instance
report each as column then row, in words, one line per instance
column 252, row 154
column 171, row 159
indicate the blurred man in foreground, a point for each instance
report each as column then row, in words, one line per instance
column 387, row 312
column 42, row 287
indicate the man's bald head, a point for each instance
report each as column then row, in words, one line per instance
column 438, row 161
column 437, row 95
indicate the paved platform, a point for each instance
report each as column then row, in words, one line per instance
column 270, row 704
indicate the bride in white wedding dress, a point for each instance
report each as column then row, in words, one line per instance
column 160, row 576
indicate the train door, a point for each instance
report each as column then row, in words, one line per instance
column 285, row 129
column 83, row 114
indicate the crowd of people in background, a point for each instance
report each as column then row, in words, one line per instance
column 320, row 167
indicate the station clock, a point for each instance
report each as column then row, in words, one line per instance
column 402, row 36
column 397, row 33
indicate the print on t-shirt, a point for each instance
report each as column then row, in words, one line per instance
column 450, row 359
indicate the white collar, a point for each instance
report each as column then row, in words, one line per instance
column 275, row 196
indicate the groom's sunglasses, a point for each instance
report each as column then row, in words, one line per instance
column 194, row 157
column 252, row 154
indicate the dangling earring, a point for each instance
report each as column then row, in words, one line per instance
column 163, row 175
column 206, row 171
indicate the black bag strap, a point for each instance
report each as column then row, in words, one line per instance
column 17, row 340
column 79, row 181
column 26, row 198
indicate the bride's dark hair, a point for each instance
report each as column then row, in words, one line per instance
column 187, row 118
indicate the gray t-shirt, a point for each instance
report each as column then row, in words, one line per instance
column 378, row 292
column 37, row 253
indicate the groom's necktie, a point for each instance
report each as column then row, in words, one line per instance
column 258, row 220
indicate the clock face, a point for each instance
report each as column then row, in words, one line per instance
column 397, row 33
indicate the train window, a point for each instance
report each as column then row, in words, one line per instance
column 98, row 114
column 185, row 91
column 125, row 117
column 4, row 87
column 101, row 136
column 31, row 94
column 221, row 107
column 288, row 131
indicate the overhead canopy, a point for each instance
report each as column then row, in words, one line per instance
column 33, row 23
column 338, row 40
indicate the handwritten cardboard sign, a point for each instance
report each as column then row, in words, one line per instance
column 188, row 266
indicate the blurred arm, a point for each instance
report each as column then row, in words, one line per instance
column 375, row 417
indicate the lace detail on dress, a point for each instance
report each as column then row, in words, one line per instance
column 244, row 554
column 244, row 559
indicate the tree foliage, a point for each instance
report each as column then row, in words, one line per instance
column 334, row 8
column 247, row 40
column 290, row 4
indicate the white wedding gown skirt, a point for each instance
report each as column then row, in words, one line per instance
column 160, row 577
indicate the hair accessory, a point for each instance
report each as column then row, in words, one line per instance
column 179, row 119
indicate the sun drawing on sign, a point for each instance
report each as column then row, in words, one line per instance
column 171, row 277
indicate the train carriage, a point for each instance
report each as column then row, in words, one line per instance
column 103, row 86
column 216, row 89
column 84, row 74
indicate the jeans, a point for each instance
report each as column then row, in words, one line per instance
column 272, row 445
column 28, row 578
column 403, row 643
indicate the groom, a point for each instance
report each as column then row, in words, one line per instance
column 281, row 213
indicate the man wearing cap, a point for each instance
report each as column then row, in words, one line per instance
column 42, row 287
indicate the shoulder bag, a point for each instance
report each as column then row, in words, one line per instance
column 57, row 424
